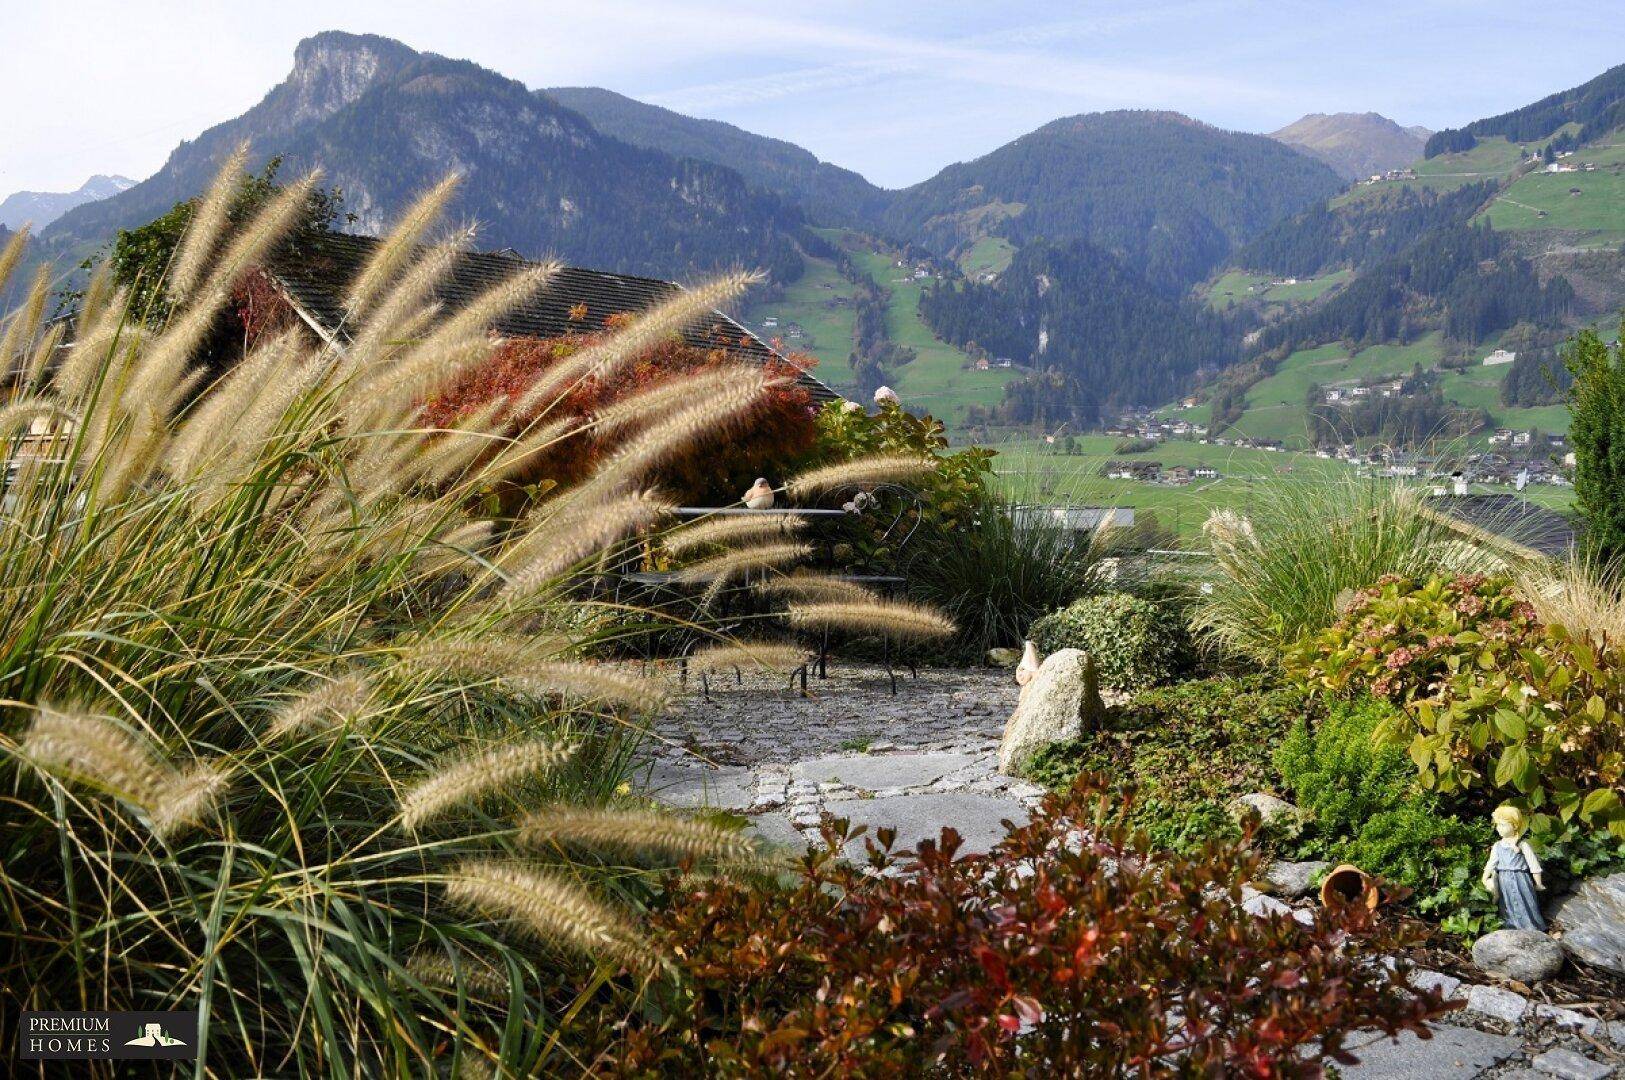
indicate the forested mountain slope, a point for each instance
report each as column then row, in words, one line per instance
column 1169, row 196
column 828, row 193
column 1597, row 106
column 383, row 122
column 1100, row 337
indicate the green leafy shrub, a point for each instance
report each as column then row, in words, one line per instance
column 1040, row 958
column 1188, row 750
column 1136, row 643
column 1487, row 695
column 1362, row 806
column 952, row 496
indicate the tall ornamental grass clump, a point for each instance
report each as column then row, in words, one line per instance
column 1284, row 569
column 999, row 572
column 288, row 732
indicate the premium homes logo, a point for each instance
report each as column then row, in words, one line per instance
column 109, row 1036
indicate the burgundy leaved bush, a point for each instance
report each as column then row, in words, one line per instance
column 1073, row 948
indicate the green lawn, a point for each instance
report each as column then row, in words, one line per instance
column 939, row 380
column 1238, row 287
column 1031, row 470
column 1541, row 200
column 821, row 302
column 990, row 254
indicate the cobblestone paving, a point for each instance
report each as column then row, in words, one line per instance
column 927, row 757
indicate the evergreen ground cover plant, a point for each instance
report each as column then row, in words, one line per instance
column 1188, row 751
column 291, row 730
column 1361, row 804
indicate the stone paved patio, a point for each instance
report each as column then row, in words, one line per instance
column 919, row 760
column 927, row 758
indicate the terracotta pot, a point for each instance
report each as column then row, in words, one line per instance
column 1349, row 885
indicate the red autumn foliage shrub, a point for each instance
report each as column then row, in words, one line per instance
column 260, row 308
column 1073, row 948
column 773, row 441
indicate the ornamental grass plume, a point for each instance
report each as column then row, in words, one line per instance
column 1582, row 594
column 663, row 398
column 605, row 358
column 23, row 325
column 549, row 907
column 525, row 667
column 569, row 531
column 778, row 656
column 395, row 254
column 738, row 562
column 678, row 432
column 334, row 705
column 208, row 226
column 861, row 472
column 91, row 749
column 189, row 797
column 473, row 975
column 228, row 560
column 805, row 585
column 729, row 530
column 891, row 618
column 635, row 831
column 468, row 779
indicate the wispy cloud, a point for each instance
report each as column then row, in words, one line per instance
column 1010, row 59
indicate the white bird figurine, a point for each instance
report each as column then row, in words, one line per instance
column 1028, row 666
column 760, row 495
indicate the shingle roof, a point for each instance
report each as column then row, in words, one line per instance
column 316, row 273
column 1512, row 518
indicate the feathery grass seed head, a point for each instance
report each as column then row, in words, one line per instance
column 333, row 705
column 892, row 618
column 859, row 472
column 635, row 831
column 549, row 907
column 466, row 780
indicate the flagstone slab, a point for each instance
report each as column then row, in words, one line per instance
column 919, row 817
column 1454, row 1053
column 877, row 772
column 726, row 788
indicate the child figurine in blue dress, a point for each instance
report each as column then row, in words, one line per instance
column 1512, row 874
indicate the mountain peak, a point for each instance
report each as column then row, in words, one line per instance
column 40, row 208
column 1355, row 144
column 334, row 68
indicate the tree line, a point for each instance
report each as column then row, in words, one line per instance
column 1598, row 106
column 1102, row 337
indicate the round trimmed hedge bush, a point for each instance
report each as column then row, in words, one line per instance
column 1136, row 643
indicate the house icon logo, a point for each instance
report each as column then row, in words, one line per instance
column 110, row 1036
column 154, row 1035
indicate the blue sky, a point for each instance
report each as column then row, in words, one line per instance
column 894, row 90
